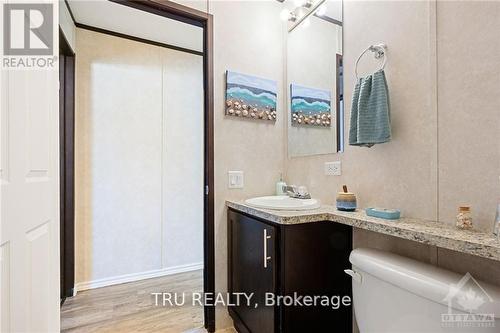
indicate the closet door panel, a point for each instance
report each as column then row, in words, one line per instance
column 182, row 159
column 118, row 157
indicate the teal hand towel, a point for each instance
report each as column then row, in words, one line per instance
column 370, row 118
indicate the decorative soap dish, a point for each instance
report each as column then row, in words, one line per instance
column 383, row 213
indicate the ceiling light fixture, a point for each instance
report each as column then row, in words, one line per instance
column 297, row 15
column 308, row 4
column 299, row 3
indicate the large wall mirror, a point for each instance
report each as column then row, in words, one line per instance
column 314, row 77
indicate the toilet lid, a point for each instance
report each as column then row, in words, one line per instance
column 424, row 280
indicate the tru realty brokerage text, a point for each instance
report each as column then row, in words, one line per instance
column 249, row 300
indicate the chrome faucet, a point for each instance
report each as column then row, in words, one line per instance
column 297, row 192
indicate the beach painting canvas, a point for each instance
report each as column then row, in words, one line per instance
column 310, row 106
column 250, row 96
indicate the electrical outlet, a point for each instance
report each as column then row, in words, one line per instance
column 235, row 179
column 333, row 168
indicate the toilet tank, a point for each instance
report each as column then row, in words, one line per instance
column 392, row 293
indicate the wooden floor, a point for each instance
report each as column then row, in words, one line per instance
column 130, row 307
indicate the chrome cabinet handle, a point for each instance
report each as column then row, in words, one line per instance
column 266, row 258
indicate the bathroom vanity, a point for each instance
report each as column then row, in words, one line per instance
column 307, row 259
column 282, row 252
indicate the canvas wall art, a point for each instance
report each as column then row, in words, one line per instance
column 250, row 96
column 310, row 106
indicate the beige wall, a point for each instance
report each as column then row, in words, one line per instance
column 247, row 39
column 443, row 71
column 469, row 109
column 402, row 173
column 450, row 44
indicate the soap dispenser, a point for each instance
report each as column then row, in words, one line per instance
column 279, row 186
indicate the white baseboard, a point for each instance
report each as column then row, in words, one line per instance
column 136, row 276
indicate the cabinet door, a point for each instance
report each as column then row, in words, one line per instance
column 314, row 258
column 252, row 270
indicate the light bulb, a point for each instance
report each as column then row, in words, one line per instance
column 299, row 3
column 285, row 14
column 308, row 4
column 321, row 10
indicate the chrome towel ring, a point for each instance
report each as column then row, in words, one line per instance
column 379, row 51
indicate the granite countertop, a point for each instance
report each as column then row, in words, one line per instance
column 427, row 232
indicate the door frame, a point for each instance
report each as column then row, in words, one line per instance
column 204, row 20
column 67, row 166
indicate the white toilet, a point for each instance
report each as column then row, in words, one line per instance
column 396, row 294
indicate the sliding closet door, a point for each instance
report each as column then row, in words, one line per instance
column 118, row 159
column 183, row 160
column 139, row 160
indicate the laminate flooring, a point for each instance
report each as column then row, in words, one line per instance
column 130, row 307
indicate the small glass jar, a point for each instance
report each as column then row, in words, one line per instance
column 464, row 218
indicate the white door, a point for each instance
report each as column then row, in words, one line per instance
column 29, row 233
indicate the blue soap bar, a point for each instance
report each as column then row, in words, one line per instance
column 383, row 213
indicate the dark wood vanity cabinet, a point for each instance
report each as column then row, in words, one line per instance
column 306, row 259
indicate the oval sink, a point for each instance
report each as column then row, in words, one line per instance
column 283, row 202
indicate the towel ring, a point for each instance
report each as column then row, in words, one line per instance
column 379, row 51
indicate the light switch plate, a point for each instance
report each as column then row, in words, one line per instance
column 235, row 179
column 333, row 168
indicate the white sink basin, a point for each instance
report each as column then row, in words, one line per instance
column 283, row 202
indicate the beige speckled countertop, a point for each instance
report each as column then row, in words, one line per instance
column 428, row 232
